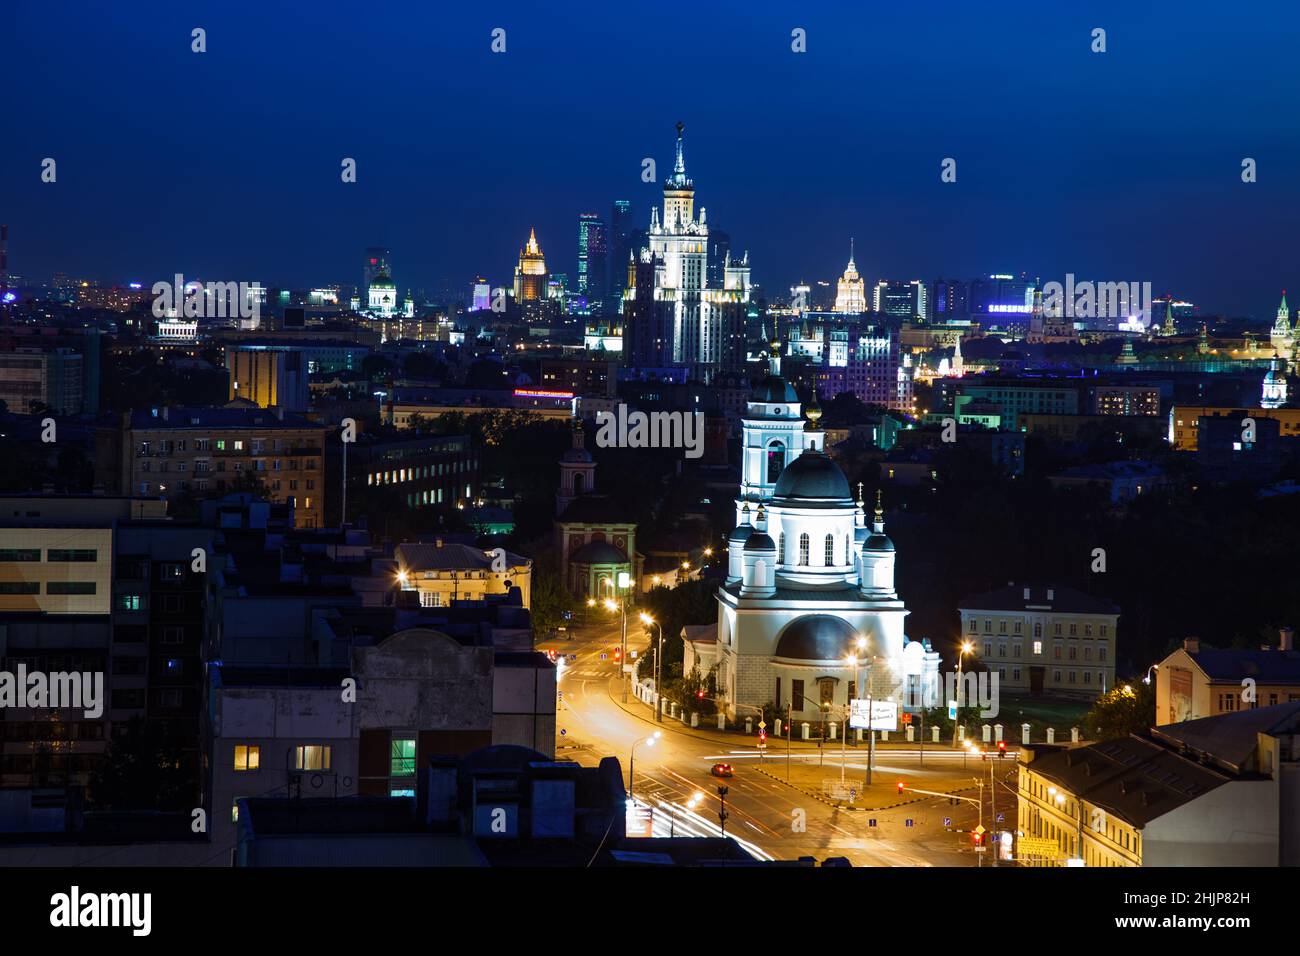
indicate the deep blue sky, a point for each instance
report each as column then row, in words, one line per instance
column 1115, row 166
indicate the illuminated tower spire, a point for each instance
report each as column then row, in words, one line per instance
column 679, row 167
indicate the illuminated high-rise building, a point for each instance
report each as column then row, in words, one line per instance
column 851, row 293
column 901, row 300
column 482, row 295
column 530, row 273
column 620, row 251
column 593, row 261
column 674, row 315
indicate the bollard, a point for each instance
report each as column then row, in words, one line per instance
column 1051, row 735
column 776, row 724
column 884, row 736
column 911, row 734
column 988, row 733
column 1024, row 734
column 835, row 729
column 722, row 721
column 934, row 734
column 807, row 731
column 859, row 735
column 749, row 725
column 695, row 720
column 961, row 731
column 1074, row 735
column 997, row 732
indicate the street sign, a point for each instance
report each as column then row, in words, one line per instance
column 909, row 821
column 871, row 822
column 563, row 732
column 980, row 830
column 1001, row 817
column 947, row 821
column 883, row 714
column 762, row 725
column 907, row 718
column 952, row 710
column 604, row 656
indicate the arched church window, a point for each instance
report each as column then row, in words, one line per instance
column 775, row 461
column 830, row 550
column 577, row 484
column 803, row 548
column 780, row 549
column 848, row 550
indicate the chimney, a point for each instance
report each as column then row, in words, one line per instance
column 1286, row 639
column 1192, row 645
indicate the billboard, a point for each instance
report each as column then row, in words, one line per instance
column 882, row 714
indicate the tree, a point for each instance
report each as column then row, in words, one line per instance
column 550, row 601
column 143, row 771
column 1123, row 710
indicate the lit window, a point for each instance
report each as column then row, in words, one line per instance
column 311, row 757
column 247, row 757
column 1038, row 648
column 403, row 757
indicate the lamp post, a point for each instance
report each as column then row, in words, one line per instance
column 622, row 609
column 966, row 648
column 631, row 764
column 659, row 660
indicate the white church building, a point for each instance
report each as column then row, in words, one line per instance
column 808, row 609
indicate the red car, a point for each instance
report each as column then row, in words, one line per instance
column 722, row 770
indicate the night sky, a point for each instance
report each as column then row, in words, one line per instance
column 1118, row 166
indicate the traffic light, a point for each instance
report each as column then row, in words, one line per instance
column 618, row 653
column 976, row 838
column 699, row 695
column 900, row 786
column 1002, row 749
column 762, row 736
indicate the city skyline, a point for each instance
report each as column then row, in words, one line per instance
column 450, row 182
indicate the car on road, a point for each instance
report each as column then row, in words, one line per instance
column 722, row 770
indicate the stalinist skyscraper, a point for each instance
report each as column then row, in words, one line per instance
column 851, row 293
column 673, row 317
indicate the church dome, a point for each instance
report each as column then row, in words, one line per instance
column 816, row 637
column 760, row 541
column 812, row 475
column 879, row 542
column 598, row 552
column 773, row 389
column 740, row 534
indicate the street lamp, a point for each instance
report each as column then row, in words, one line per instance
column 659, row 660
column 631, row 765
column 966, row 648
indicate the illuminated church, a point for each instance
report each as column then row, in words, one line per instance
column 810, row 581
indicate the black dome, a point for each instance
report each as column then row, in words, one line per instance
column 879, row 542
column 773, row 388
column 817, row 637
column 812, row 475
column 760, row 541
column 598, row 552
column 740, row 534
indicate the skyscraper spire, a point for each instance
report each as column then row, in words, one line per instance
column 679, row 167
column 851, row 262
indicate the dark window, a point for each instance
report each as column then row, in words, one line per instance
column 775, row 461
column 69, row 587
column 20, row 587
column 71, row 554
column 19, row 554
column 796, row 694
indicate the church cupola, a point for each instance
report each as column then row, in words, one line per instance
column 736, row 547
column 577, row 472
column 758, row 568
column 877, row 558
